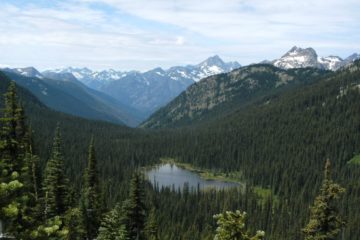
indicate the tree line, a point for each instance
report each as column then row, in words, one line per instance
column 41, row 203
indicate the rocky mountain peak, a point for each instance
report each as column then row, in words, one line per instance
column 298, row 57
column 353, row 57
column 297, row 51
column 26, row 71
column 213, row 61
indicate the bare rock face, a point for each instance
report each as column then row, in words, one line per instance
column 307, row 57
column 298, row 58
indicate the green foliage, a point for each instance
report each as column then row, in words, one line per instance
column 74, row 225
column 16, row 198
column 223, row 94
column 134, row 209
column 91, row 196
column 276, row 146
column 111, row 226
column 355, row 160
column 325, row 222
column 151, row 227
column 55, row 181
column 51, row 229
column 231, row 226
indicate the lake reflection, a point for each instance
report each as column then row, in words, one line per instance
column 168, row 175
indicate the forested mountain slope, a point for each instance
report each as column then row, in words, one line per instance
column 283, row 144
column 280, row 146
column 119, row 147
column 224, row 93
column 73, row 97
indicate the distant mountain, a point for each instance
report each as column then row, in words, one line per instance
column 148, row 91
column 68, row 95
column 299, row 58
column 26, row 72
column 218, row 95
column 60, row 76
column 93, row 79
column 350, row 59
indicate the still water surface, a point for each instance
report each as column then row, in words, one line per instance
column 169, row 175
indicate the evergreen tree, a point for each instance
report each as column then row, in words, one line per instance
column 231, row 226
column 134, row 209
column 111, row 227
column 151, row 228
column 51, row 229
column 55, row 181
column 73, row 225
column 325, row 222
column 32, row 160
column 16, row 200
column 91, row 196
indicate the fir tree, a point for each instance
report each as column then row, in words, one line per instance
column 231, row 226
column 73, row 225
column 51, row 229
column 151, row 228
column 9, row 146
column 111, row 226
column 55, row 181
column 16, row 200
column 91, row 196
column 325, row 222
column 134, row 209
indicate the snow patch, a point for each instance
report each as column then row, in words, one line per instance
column 215, row 69
column 160, row 73
column 78, row 75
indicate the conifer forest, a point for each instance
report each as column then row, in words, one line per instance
column 179, row 120
column 64, row 177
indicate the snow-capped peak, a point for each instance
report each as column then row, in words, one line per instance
column 211, row 66
column 331, row 62
column 295, row 51
column 298, row 57
column 96, row 79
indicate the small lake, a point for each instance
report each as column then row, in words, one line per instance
column 169, row 175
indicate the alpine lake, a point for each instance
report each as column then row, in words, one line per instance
column 173, row 176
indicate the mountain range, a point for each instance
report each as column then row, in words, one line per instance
column 283, row 142
column 97, row 79
column 115, row 96
column 225, row 93
column 130, row 97
column 150, row 90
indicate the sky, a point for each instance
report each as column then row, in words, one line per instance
column 144, row 34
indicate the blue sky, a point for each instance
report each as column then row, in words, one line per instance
column 144, row 34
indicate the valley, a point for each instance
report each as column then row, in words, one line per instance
column 276, row 144
column 137, row 98
column 179, row 120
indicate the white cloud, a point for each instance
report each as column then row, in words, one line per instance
column 143, row 34
column 180, row 40
column 257, row 21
